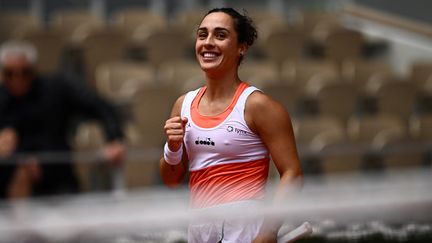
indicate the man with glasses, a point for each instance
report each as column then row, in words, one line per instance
column 36, row 114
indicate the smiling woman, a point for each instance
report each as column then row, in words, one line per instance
column 224, row 133
column 238, row 28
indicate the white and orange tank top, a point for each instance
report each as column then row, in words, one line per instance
column 227, row 161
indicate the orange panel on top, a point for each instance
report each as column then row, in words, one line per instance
column 213, row 121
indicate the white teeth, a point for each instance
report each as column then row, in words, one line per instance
column 207, row 54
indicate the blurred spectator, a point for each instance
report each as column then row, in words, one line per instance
column 36, row 115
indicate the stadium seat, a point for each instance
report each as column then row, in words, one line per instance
column 337, row 99
column 324, row 137
column 377, row 130
column 151, row 108
column 343, row 44
column 266, row 27
column 319, row 21
column 318, row 132
column 89, row 139
column 260, row 15
column 188, row 21
column 393, row 96
column 89, row 136
column 287, row 94
column 102, row 46
column 421, row 76
column 421, row 127
column 191, row 84
column 166, row 45
column 51, row 46
column 302, row 72
column 266, row 22
column 310, row 88
column 259, row 73
column 138, row 24
column 317, row 26
column 361, row 71
column 133, row 136
column 76, row 25
column 141, row 173
column 309, row 76
column 139, row 170
column 178, row 72
column 15, row 24
column 424, row 98
column 421, row 71
column 119, row 81
column 281, row 45
column 428, row 87
column 387, row 138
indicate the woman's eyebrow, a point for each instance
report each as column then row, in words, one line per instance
column 202, row 29
column 222, row 29
column 216, row 29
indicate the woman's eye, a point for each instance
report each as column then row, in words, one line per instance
column 202, row 35
column 220, row 35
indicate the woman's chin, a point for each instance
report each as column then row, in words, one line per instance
column 209, row 67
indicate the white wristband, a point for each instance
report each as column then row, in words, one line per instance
column 173, row 158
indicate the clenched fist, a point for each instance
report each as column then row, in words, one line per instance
column 175, row 131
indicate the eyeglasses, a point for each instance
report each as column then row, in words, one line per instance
column 23, row 72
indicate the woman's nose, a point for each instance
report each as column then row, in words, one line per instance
column 209, row 41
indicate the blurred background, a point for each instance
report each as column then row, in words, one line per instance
column 355, row 75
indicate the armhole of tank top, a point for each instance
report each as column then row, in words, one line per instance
column 241, row 103
column 187, row 102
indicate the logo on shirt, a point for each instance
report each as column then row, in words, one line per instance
column 204, row 141
column 236, row 130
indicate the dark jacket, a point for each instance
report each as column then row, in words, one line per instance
column 43, row 119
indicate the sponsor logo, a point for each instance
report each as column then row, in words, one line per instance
column 236, row 130
column 204, row 141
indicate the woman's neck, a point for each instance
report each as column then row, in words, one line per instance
column 220, row 87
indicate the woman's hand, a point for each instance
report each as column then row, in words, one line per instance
column 175, row 131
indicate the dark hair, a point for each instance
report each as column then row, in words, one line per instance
column 243, row 24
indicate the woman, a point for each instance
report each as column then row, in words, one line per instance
column 225, row 132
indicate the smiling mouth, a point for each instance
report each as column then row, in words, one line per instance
column 209, row 55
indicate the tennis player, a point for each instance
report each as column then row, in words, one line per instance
column 224, row 134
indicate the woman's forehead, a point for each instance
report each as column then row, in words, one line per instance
column 217, row 20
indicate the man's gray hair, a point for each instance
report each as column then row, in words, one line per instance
column 18, row 48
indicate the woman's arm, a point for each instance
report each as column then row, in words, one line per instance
column 172, row 175
column 271, row 121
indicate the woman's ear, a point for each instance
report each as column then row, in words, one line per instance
column 243, row 48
